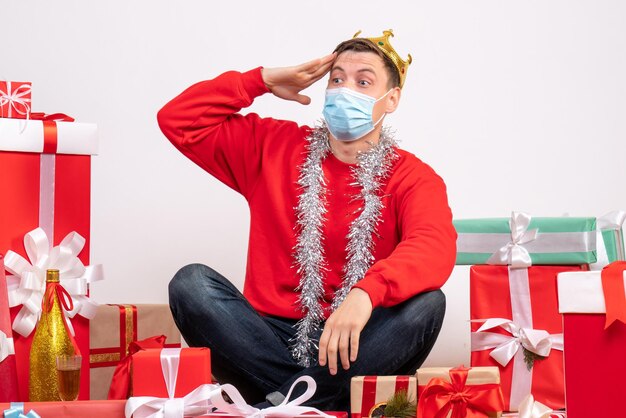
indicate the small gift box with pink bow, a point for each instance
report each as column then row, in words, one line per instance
column 15, row 99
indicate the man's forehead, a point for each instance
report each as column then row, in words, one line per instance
column 358, row 60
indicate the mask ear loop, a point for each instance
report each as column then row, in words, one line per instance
column 385, row 113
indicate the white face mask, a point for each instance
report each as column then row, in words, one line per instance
column 348, row 113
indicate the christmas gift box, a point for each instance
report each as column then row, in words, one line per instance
column 193, row 368
column 112, row 331
column 15, row 100
column 46, row 225
column 594, row 327
column 369, row 394
column 459, row 392
column 521, row 241
column 76, row 409
column 8, row 372
column 516, row 326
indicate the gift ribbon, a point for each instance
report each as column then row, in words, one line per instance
column 16, row 410
column 120, row 383
column 6, row 346
column 514, row 253
column 504, row 347
column 65, row 301
column 613, row 221
column 613, row 289
column 529, row 408
column 441, row 397
column 27, row 284
column 16, row 99
column 286, row 408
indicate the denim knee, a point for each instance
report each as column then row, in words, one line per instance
column 186, row 279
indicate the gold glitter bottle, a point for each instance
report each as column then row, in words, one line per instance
column 51, row 339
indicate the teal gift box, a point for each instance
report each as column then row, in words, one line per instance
column 522, row 241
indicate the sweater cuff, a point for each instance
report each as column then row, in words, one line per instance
column 376, row 288
column 253, row 83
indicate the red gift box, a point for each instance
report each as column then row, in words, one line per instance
column 15, row 99
column 193, row 370
column 520, row 301
column 76, row 409
column 368, row 393
column 595, row 359
column 8, row 374
column 48, row 191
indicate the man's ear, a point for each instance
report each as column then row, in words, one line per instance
column 392, row 100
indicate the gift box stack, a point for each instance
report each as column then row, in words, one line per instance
column 514, row 308
column 45, row 162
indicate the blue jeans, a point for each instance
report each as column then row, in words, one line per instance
column 252, row 351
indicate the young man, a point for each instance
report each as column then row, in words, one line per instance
column 350, row 237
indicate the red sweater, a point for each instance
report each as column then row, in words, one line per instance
column 260, row 157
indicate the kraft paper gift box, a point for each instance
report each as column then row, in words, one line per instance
column 507, row 303
column 75, row 409
column 475, row 390
column 114, row 328
column 44, row 186
column 368, row 393
column 8, row 372
column 194, row 369
column 594, row 327
column 548, row 241
column 15, row 99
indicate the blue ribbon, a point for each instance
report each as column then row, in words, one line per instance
column 16, row 410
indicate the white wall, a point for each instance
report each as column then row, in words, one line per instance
column 517, row 104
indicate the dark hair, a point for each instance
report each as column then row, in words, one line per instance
column 365, row 45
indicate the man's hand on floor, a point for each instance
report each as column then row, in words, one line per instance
column 343, row 329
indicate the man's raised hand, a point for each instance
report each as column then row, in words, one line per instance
column 288, row 82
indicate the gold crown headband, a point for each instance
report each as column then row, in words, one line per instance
column 383, row 44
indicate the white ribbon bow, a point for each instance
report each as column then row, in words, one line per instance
column 16, row 98
column 529, row 408
column 6, row 346
column 514, row 253
column 285, row 409
column 504, row 347
column 28, row 281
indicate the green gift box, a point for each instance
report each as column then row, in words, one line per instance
column 522, row 241
column 610, row 226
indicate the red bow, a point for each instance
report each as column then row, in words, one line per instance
column 613, row 288
column 465, row 401
column 120, row 384
column 65, row 300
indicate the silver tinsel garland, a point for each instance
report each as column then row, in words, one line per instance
column 373, row 167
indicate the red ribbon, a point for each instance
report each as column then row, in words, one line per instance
column 613, row 288
column 65, row 299
column 120, row 384
column 465, row 401
column 50, row 129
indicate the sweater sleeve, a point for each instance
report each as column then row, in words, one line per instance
column 425, row 255
column 202, row 122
